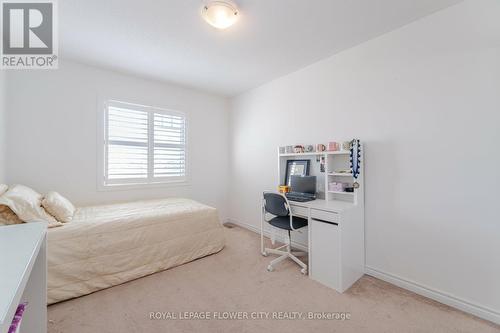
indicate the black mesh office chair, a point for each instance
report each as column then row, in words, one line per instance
column 278, row 206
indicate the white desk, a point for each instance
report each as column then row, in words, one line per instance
column 23, row 271
column 336, row 241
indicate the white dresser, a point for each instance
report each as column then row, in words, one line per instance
column 23, row 276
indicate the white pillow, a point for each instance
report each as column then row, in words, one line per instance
column 27, row 204
column 3, row 188
column 58, row 206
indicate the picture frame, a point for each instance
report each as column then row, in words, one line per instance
column 296, row 167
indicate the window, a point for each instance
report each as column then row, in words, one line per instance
column 143, row 145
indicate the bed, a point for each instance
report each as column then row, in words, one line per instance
column 104, row 246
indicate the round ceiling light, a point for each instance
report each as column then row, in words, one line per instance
column 220, row 14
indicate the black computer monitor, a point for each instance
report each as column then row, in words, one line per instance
column 303, row 184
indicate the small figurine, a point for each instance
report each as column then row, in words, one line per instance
column 298, row 149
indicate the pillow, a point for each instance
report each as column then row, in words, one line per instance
column 7, row 216
column 59, row 207
column 3, row 188
column 27, row 204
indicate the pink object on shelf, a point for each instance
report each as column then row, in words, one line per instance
column 333, row 146
column 337, row 187
column 18, row 316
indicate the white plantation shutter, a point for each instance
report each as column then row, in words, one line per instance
column 169, row 145
column 143, row 145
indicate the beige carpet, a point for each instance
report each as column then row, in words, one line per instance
column 236, row 280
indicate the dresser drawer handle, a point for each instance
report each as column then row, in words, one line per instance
column 324, row 221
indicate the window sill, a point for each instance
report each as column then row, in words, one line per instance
column 139, row 186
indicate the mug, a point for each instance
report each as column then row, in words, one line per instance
column 320, row 147
column 333, row 146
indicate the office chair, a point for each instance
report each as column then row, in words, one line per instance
column 278, row 206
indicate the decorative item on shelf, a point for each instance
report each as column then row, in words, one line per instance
column 355, row 157
column 322, row 162
column 349, row 189
column 320, row 147
column 289, row 149
column 337, row 186
column 282, row 150
column 284, row 189
column 346, row 145
column 333, row 146
column 298, row 149
column 309, row 148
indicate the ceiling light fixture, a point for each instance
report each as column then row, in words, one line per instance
column 220, row 14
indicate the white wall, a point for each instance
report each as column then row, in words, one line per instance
column 52, row 124
column 425, row 100
column 2, row 125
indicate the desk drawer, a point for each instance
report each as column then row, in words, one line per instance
column 325, row 216
column 300, row 211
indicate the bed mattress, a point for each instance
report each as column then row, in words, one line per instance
column 108, row 245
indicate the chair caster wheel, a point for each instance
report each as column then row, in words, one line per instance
column 270, row 268
column 264, row 254
column 304, row 271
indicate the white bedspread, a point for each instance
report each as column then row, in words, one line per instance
column 107, row 245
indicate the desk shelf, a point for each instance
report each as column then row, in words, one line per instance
column 340, row 174
column 325, row 165
column 340, row 192
column 315, row 153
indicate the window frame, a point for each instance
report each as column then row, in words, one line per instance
column 121, row 184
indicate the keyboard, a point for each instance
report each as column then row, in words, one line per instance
column 299, row 198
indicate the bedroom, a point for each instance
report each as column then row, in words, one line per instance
column 149, row 143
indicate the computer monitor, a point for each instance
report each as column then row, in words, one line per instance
column 303, row 184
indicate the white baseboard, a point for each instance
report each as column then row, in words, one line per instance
column 455, row 302
column 255, row 229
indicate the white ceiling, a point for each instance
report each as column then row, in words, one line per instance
column 168, row 40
